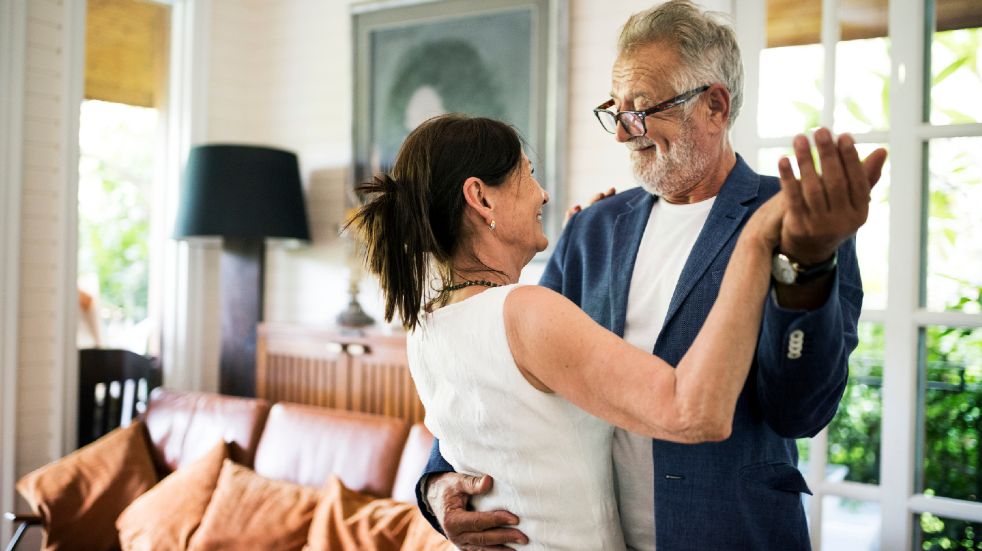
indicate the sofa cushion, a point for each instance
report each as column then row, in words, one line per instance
column 414, row 457
column 248, row 511
column 346, row 520
column 306, row 444
column 184, row 426
column 79, row 496
column 164, row 518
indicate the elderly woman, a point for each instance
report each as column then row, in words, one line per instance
column 518, row 382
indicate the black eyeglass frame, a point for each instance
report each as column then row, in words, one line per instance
column 663, row 106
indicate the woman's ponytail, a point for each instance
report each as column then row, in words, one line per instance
column 394, row 225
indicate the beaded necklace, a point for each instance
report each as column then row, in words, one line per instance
column 470, row 283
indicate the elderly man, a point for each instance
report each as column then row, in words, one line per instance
column 647, row 264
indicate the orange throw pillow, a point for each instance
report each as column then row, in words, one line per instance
column 249, row 512
column 80, row 495
column 164, row 518
column 346, row 520
column 422, row 536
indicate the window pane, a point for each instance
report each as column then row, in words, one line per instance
column 952, row 412
column 956, row 78
column 850, row 525
column 115, row 177
column 933, row 533
column 803, row 445
column 873, row 239
column 854, row 434
column 862, row 85
column 768, row 157
column 790, row 94
column 954, row 227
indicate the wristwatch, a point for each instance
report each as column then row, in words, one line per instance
column 787, row 271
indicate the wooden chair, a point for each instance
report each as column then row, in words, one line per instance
column 113, row 389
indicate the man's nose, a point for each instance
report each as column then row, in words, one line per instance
column 621, row 134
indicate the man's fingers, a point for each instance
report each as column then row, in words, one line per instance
column 791, row 186
column 488, row 530
column 858, row 186
column 873, row 166
column 835, row 180
column 489, row 539
column 461, row 522
column 476, row 485
column 811, row 185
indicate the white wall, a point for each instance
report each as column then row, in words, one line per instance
column 42, row 230
column 298, row 97
column 47, row 264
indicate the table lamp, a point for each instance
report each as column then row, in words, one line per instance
column 245, row 195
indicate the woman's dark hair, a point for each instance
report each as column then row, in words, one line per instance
column 415, row 214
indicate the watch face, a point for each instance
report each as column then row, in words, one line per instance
column 782, row 270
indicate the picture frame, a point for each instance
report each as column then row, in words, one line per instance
column 503, row 59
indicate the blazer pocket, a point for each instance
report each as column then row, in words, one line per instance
column 776, row 475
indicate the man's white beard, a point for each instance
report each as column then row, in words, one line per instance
column 673, row 172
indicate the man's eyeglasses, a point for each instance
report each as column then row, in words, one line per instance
column 633, row 121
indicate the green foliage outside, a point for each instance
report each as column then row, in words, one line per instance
column 115, row 244
column 115, row 176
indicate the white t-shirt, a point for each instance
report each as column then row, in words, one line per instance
column 668, row 238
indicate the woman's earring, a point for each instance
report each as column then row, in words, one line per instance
column 492, row 225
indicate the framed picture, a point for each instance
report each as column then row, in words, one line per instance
column 503, row 59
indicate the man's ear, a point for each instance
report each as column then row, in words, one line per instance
column 718, row 102
column 478, row 199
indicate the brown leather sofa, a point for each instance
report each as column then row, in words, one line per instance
column 291, row 442
column 372, row 454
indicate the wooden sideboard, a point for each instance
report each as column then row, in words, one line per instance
column 328, row 366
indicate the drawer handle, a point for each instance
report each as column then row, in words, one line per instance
column 358, row 349
column 335, row 347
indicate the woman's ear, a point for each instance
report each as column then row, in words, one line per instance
column 478, row 198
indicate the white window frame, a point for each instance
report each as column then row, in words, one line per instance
column 13, row 22
column 183, row 351
column 903, row 318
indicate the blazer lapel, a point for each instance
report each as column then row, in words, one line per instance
column 628, row 231
column 727, row 214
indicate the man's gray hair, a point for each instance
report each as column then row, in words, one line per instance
column 706, row 45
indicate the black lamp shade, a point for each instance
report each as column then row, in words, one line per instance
column 242, row 191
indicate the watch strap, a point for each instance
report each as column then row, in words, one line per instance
column 814, row 272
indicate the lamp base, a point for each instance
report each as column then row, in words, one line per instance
column 242, row 309
column 354, row 316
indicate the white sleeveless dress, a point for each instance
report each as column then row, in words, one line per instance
column 550, row 460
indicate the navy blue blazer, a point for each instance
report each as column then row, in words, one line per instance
column 744, row 492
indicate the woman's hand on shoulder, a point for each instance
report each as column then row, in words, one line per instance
column 600, row 196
